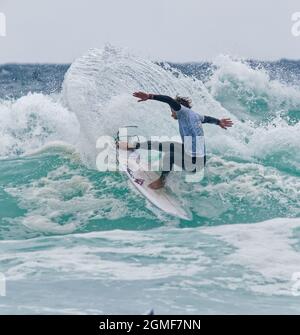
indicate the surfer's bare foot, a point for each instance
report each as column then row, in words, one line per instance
column 123, row 145
column 126, row 146
column 157, row 184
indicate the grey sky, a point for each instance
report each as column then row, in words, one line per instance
column 175, row 30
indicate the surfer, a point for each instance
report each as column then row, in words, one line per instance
column 192, row 148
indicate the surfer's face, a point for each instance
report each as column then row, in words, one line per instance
column 173, row 114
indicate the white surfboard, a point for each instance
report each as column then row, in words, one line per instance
column 141, row 178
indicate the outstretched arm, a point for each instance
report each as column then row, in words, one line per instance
column 210, row 119
column 163, row 98
column 223, row 123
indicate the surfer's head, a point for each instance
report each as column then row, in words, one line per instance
column 187, row 102
column 184, row 101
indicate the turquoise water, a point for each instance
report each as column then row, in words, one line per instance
column 76, row 240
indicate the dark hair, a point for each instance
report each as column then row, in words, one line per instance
column 187, row 102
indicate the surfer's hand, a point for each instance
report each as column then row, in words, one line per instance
column 225, row 123
column 141, row 96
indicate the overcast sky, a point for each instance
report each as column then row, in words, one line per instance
column 176, row 30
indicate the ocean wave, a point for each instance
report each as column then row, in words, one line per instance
column 258, row 258
column 32, row 121
column 250, row 93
